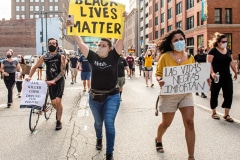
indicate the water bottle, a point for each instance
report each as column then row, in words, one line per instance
column 217, row 77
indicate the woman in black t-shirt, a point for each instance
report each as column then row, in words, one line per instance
column 221, row 60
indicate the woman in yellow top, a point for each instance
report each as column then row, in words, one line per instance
column 148, row 58
column 172, row 47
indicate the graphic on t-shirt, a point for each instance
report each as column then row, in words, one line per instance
column 53, row 69
column 101, row 65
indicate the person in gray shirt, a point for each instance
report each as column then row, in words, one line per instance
column 9, row 67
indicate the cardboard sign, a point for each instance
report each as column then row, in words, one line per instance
column 186, row 79
column 18, row 76
column 33, row 94
column 151, row 46
column 96, row 18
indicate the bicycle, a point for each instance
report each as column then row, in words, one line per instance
column 35, row 113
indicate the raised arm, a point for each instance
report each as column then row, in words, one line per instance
column 82, row 46
column 119, row 43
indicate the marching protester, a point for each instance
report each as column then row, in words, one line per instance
column 201, row 57
column 104, row 97
column 130, row 61
column 172, row 47
column 85, row 68
column 55, row 70
column 21, row 61
column 148, row 61
column 122, row 66
column 221, row 60
column 73, row 67
column 9, row 68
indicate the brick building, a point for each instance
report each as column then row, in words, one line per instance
column 200, row 19
column 19, row 35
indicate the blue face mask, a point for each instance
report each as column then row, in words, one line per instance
column 179, row 45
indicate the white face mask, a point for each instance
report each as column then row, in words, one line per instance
column 102, row 52
column 224, row 45
column 179, row 45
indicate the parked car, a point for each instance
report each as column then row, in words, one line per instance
column 29, row 59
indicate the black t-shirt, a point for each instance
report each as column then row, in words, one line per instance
column 200, row 58
column 53, row 63
column 221, row 62
column 122, row 63
column 140, row 60
column 104, row 70
column 73, row 62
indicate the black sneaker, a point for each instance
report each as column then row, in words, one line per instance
column 197, row 94
column 99, row 144
column 58, row 125
column 203, row 95
column 8, row 105
column 109, row 157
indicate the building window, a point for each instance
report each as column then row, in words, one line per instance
column 17, row 16
column 31, row 8
column 200, row 40
column 162, row 17
column 31, row 16
column 17, row 8
column 50, row 15
column 156, row 34
column 23, row 1
column 190, row 4
column 56, row 15
column 42, row 0
column 169, row 13
column 31, row 0
column 22, row 16
column 56, row 8
column 179, row 8
column 50, row 8
column 228, row 17
column 156, row 7
column 179, row 24
column 218, row 15
column 36, row 16
column 169, row 1
column 190, row 22
column 162, row 3
column 36, row 8
column 36, row 0
column 199, row 19
column 22, row 8
column 50, row 0
column 162, row 32
column 56, row 0
column 229, row 39
column 156, row 21
column 169, row 28
column 17, row 1
column 42, row 8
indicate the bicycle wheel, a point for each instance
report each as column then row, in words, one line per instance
column 48, row 107
column 33, row 119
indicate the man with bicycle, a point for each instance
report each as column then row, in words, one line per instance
column 55, row 70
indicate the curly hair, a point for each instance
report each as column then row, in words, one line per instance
column 164, row 43
column 216, row 38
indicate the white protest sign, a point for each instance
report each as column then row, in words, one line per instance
column 33, row 94
column 18, row 76
column 186, row 79
column 151, row 46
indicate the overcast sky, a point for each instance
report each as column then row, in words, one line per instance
column 5, row 8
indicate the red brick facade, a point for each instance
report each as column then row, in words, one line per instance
column 18, row 34
column 205, row 29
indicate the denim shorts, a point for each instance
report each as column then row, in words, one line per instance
column 170, row 103
column 85, row 75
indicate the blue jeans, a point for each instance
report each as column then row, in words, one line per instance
column 105, row 111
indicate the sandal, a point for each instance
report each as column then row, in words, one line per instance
column 215, row 116
column 159, row 146
column 228, row 118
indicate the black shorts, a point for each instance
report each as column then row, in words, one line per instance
column 56, row 91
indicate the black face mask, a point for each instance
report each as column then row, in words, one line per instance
column 9, row 56
column 52, row 48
